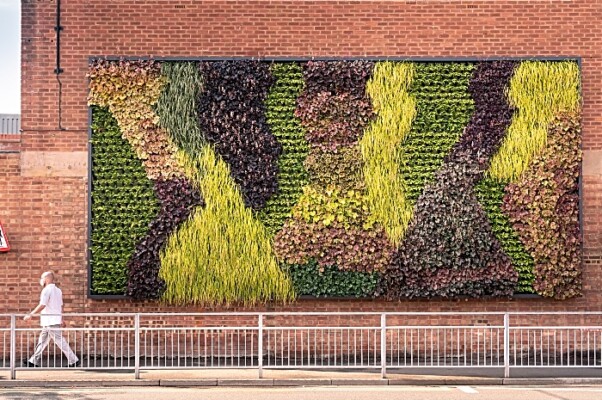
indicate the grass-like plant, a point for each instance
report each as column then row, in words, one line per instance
column 177, row 106
column 223, row 254
column 381, row 146
column 539, row 90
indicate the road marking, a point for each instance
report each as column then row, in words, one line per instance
column 467, row 389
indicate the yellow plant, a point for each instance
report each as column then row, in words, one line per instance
column 222, row 254
column 331, row 204
column 539, row 90
column 381, row 146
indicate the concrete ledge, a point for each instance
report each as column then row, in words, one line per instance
column 444, row 381
column 188, row 382
column 552, row 381
column 245, row 382
column 360, row 382
column 468, row 381
column 414, row 382
column 132, row 382
column 302, row 382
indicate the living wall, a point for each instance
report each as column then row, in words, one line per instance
column 243, row 182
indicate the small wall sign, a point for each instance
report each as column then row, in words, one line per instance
column 4, row 245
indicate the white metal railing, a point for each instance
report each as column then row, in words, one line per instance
column 367, row 341
column 10, row 124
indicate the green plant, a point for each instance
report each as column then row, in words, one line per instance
column 539, row 90
column 222, row 255
column 443, row 108
column 123, row 204
column 309, row 279
column 490, row 193
column 280, row 109
column 381, row 146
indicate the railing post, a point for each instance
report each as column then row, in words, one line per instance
column 383, row 346
column 506, row 345
column 13, row 346
column 137, row 346
column 260, row 346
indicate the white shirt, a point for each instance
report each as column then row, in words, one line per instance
column 52, row 298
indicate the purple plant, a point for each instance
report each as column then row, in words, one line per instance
column 232, row 117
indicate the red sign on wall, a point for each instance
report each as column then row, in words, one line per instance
column 4, row 245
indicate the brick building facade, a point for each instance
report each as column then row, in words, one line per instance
column 44, row 173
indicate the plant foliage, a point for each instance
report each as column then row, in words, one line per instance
column 539, row 90
column 450, row 249
column 443, row 108
column 308, row 279
column 222, row 255
column 381, row 146
column 232, row 115
column 123, row 204
column 177, row 105
column 543, row 206
column 178, row 198
column 130, row 89
column 292, row 176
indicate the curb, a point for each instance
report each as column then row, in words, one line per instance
column 302, row 382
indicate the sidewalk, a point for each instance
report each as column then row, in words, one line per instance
column 231, row 377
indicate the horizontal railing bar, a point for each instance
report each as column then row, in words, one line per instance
column 472, row 327
column 429, row 366
column 82, row 329
column 271, row 313
column 512, row 328
column 325, row 328
column 201, row 328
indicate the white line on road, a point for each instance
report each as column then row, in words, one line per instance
column 467, row 389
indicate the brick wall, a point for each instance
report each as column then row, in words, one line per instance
column 43, row 179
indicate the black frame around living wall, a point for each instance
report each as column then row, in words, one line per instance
column 91, row 59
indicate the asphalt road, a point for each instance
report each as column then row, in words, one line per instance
column 312, row 393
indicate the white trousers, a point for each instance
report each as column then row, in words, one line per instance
column 52, row 332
